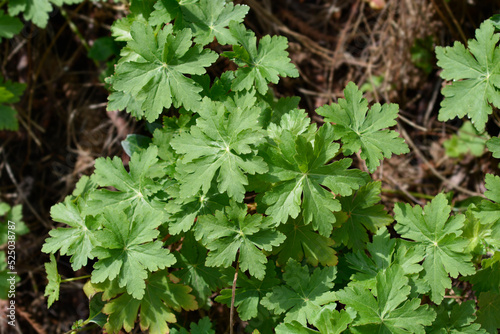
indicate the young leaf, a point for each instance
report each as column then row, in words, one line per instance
column 360, row 128
column 481, row 235
column 301, row 241
column 468, row 139
column 459, row 320
column 489, row 309
column 127, row 250
column 157, row 79
column 258, row 66
column 303, row 295
column 52, row 288
column 476, row 77
column 299, row 170
column 383, row 252
column 79, row 239
column 249, row 293
column 440, row 235
column 363, row 214
column 391, row 312
column 162, row 297
column 232, row 230
column 223, row 143
column 135, row 189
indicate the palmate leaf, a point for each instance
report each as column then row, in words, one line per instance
column 127, row 251
column 163, row 295
column 222, row 143
column 78, row 240
column 299, row 171
column 391, row 311
column 457, row 320
column 210, row 18
column 302, row 295
column 476, row 77
column 362, row 214
column 232, row 230
column 206, row 18
column 258, row 66
column 439, row 233
column 360, row 128
column 249, row 292
column 135, row 189
column 157, row 79
column 301, row 241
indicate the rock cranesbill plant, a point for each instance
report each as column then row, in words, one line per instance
column 237, row 193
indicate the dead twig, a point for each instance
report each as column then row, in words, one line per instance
column 433, row 170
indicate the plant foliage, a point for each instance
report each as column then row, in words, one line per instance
column 237, row 198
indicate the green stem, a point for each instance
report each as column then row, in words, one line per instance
column 74, row 279
column 75, row 30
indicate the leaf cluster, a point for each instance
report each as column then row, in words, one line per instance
column 236, row 190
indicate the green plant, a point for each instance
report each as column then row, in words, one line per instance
column 237, row 192
column 10, row 92
column 11, row 227
column 467, row 140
